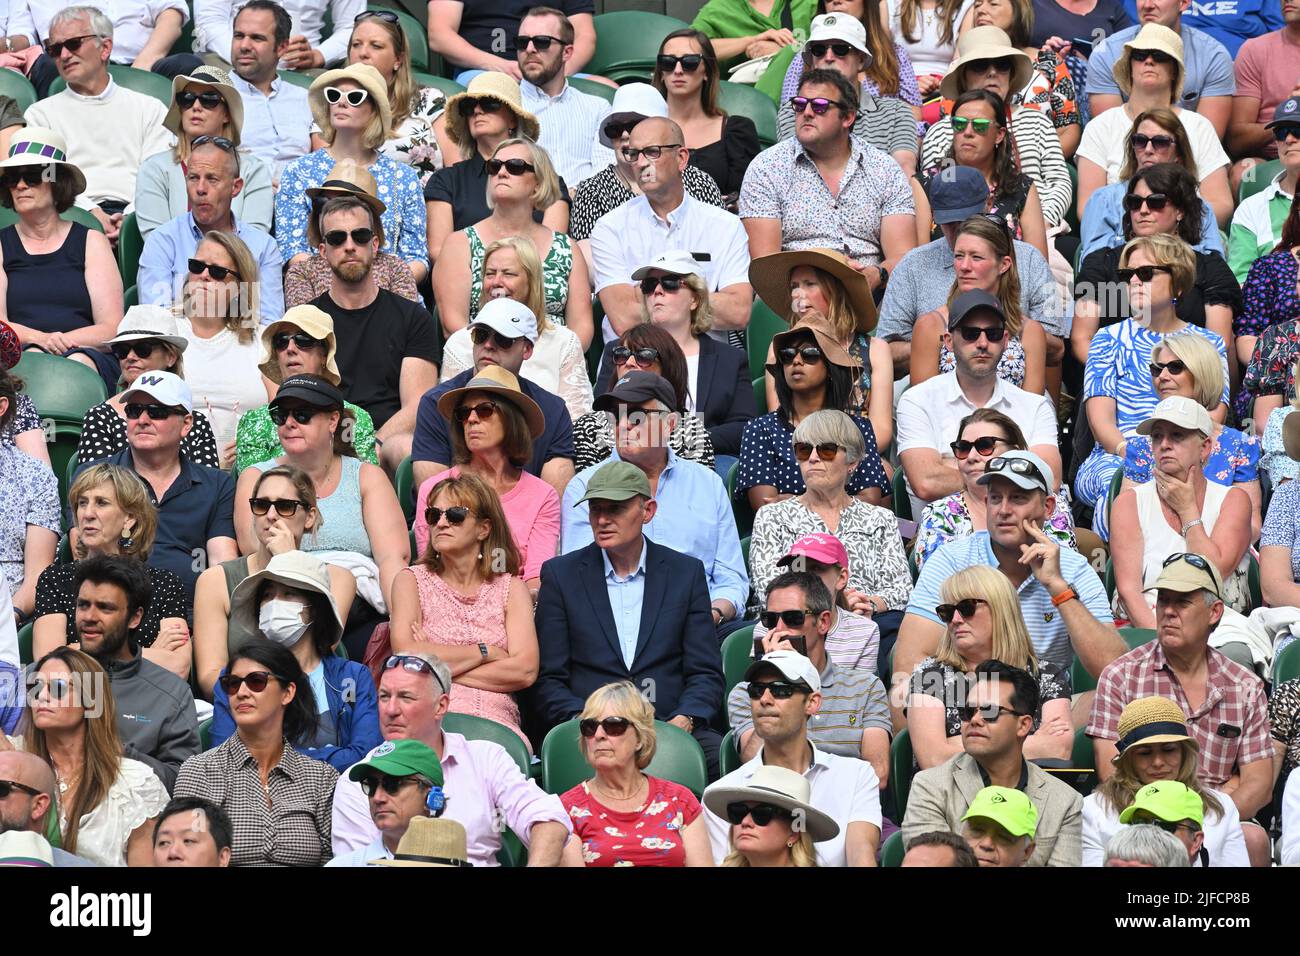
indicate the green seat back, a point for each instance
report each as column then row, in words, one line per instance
column 760, row 394
column 1287, row 665
column 83, row 216
column 729, row 754
column 1257, row 179
column 764, row 324
column 1072, row 210
column 1116, row 482
column 604, row 91
column 416, row 36
column 677, row 758
column 205, row 734
column 61, row 389
column 296, row 78
column 737, row 654
column 18, row 88
column 741, row 99
column 404, row 485
column 130, row 244
column 740, row 509
column 480, row 728
column 25, row 644
column 448, row 87
column 744, row 550
column 64, row 553
column 900, row 769
column 62, row 448
column 627, row 43
column 142, row 81
column 1136, row 637
column 131, row 296
column 892, row 853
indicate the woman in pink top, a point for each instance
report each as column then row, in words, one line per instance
column 492, row 425
column 464, row 601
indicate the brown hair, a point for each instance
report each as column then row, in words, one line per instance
column 63, row 190
column 302, row 485
column 1168, row 121
column 709, row 91
column 909, row 15
column 995, row 233
column 566, row 25
column 672, row 363
column 132, row 498
column 516, row 443
column 1122, row 786
column 1014, row 436
column 478, row 496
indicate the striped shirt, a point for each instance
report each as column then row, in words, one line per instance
column 1040, row 155
column 885, row 122
column 570, row 125
column 852, row 701
column 853, row 642
column 1257, row 227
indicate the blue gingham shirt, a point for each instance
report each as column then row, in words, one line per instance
column 570, row 125
column 626, row 596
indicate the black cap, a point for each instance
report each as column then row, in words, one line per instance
column 635, row 387
column 311, row 389
column 969, row 302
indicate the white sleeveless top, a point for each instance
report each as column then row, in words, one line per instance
column 136, row 795
column 222, row 373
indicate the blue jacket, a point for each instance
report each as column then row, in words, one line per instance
column 353, row 704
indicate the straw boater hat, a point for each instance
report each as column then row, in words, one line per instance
column 835, row 353
column 498, row 86
column 770, row 277
column 209, row 78
column 363, row 74
column 149, row 322
column 1151, row 720
column 347, row 178
column 1152, row 36
column 430, row 841
column 498, row 381
column 38, row 146
column 781, row 788
column 986, row 43
column 316, row 323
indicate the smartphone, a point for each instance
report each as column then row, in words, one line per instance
column 797, row 641
column 1082, row 45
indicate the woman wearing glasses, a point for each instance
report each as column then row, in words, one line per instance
column 521, row 182
column 290, row 602
column 492, row 425
column 773, row 821
column 465, row 600
column 203, row 104
column 622, row 815
column 108, row 804
column 351, row 108
column 277, row 797
column 686, row 73
column 983, row 435
column 981, row 613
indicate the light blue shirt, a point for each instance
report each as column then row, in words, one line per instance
column 277, row 128
column 1207, row 66
column 570, row 125
column 1102, row 225
column 164, row 264
column 694, row 517
column 626, row 595
column 1047, row 631
column 363, row 856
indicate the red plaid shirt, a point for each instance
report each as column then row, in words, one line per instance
column 1234, row 698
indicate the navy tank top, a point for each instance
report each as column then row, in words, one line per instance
column 48, row 292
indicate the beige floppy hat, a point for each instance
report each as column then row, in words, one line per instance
column 770, row 277
column 986, row 43
column 209, row 78
column 316, row 323
column 498, row 381
column 363, row 74
column 1152, row 36
column 497, row 86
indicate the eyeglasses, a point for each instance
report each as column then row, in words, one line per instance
column 455, row 515
column 541, row 43
column 301, row 414
column 1002, row 64
column 158, row 413
column 1140, row 141
column 989, row 713
column 668, row 64
column 819, row 104
column 208, row 99
column 280, row 341
column 387, row 782
column 761, row 813
column 334, row 95
column 218, row 141
column 336, row 237
column 515, row 167
column 643, row 356
column 613, row 726
column 72, row 43
column 256, row 681
column 284, row 507
column 792, row 618
column 480, row 334
column 141, row 348
column 965, row 607
column 818, row 49
column 1153, row 201
column 9, row 786
column 780, row 689
column 59, row 688
column 652, row 153
column 487, row 104
column 811, row 354
column 1280, row 133
column 961, row 448
column 826, row 451
column 972, row 333
column 484, row 411
column 1144, row 273
column 1156, row 56
column 979, row 124
column 197, row 267
column 414, row 665
column 1176, row 367
column 31, row 175
column 1019, row 466
column 669, row 283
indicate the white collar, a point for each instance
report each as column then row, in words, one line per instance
column 103, row 97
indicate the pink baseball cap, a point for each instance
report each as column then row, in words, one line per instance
column 825, row 548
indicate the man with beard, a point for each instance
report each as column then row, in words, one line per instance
column 155, row 709
column 388, row 350
column 570, row 119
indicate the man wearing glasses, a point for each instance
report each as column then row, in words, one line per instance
column 27, row 798
column 402, row 780
column 997, row 716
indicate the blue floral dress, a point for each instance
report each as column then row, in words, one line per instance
column 1273, row 458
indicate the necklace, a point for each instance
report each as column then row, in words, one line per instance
column 611, row 795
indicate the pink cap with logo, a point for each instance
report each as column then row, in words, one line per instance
column 825, row 548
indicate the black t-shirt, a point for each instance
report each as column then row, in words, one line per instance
column 463, row 185
column 1053, row 20
column 1098, row 281
column 372, row 342
column 491, row 25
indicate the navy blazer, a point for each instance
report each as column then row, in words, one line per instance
column 724, row 395
column 677, row 645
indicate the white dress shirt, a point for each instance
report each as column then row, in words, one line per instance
column 133, row 21
column 570, row 124
column 214, row 25
column 277, row 128
column 16, row 20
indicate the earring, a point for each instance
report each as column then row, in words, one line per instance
column 789, row 846
column 125, row 543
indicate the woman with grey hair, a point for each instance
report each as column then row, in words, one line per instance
column 1147, row 846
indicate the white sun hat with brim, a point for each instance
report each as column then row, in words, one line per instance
column 149, row 322
column 633, row 103
column 781, row 788
column 38, row 146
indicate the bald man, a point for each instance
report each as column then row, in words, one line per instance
column 665, row 217
column 27, row 788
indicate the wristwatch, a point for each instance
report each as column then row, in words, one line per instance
column 483, row 649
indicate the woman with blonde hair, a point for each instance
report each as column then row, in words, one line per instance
column 510, row 268
column 622, row 815
column 772, row 821
column 464, row 600
column 521, row 181
column 1154, row 745
column 981, row 614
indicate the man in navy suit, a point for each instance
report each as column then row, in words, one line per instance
column 625, row 608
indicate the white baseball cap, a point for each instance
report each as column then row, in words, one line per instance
column 840, row 26
column 632, row 102
column 675, row 262
column 793, row 667
column 509, row 317
column 1181, row 411
column 165, row 388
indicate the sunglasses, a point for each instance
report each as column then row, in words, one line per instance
column 540, row 43
column 811, row 354
column 484, row 411
column 31, row 175
column 780, row 689
column 652, row 153
column 826, row 451
column 73, row 44
column 284, row 507
column 819, row 104
column 1144, row 273
column 1019, row 466
column 389, row 784
column 1001, row 64
column 965, row 607
column 337, row 237
column 157, row 413
column 414, row 665
column 1195, row 560
column 456, row 515
column 669, row 283
column 208, row 99
column 791, row 618
column 515, row 167
column 1156, row 56
column 256, row 681
column 668, row 64
column 280, row 341
column 1166, row 825
column 487, row 104
column 1280, row 133
column 1141, row 141
column 301, row 414
column 761, row 813
column 1153, row 201
column 818, row 49
column 59, row 688
column 142, row 349
column 643, row 357
column 615, row 131
column 334, row 95
column 197, row 267
column 613, row 726
column 972, row 333
column 218, row 141
column 387, row 15
column 979, row 124
column 9, row 786
column 961, row 448
column 990, row 713
column 1176, row 367
column 481, row 335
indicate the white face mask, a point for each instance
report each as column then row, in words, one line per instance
column 282, row 622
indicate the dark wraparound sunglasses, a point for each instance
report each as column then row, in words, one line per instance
column 197, row 267
column 157, row 413
column 1156, row 56
column 669, row 283
column 1002, row 64
column 644, row 356
column 256, row 681
column 455, row 515
column 989, row 712
column 791, row 618
column 965, row 607
column 487, row 104
column 336, row 237
column 780, row 689
column 480, row 334
column 689, row 63
column 826, row 451
column 370, row 785
column 1176, row 367
column 515, row 167
column 761, row 813
column 208, row 99
column 972, row 333
column 961, row 448
column 284, row 507
column 818, row 49
column 613, row 726
column 540, row 42
column 302, row 414
column 484, row 411
column 1280, row 133
column 280, row 341
column 1153, row 201
column 1144, row 273
column 72, row 43
column 141, row 348
column 811, row 354
column 1141, row 141
column 31, row 175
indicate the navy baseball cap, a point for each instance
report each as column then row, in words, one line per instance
column 1286, row 114
column 956, row 193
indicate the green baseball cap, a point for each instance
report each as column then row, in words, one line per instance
column 1167, row 800
column 617, row 481
column 400, row 758
column 1009, row 808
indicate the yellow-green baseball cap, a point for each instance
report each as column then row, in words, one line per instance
column 1167, row 800
column 1011, row 809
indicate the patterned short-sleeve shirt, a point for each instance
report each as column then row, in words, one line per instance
column 1284, row 717
column 1272, row 365
column 1282, row 522
column 1273, row 458
column 30, row 497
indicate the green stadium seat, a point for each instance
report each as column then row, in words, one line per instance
column 64, row 554
column 61, row 389
column 764, row 325
column 1257, row 179
column 1287, row 665
column 131, row 296
column 729, row 754
column 604, row 91
column 25, row 644
column 404, row 485
column 677, row 758
column 760, row 394
column 130, row 244
column 83, row 216
column 18, row 88
column 1135, row 637
column 448, row 87
column 142, row 81
column 1072, row 211
column 900, row 770
column 296, row 78
column 62, row 440
column 743, row 100
column 737, row 654
column 205, row 734
column 627, row 43
column 744, row 550
column 740, row 509
column 480, row 728
column 892, row 853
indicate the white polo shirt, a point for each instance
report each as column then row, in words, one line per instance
column 844, row 788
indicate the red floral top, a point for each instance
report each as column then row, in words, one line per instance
column 648, row 836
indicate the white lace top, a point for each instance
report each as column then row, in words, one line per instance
column 136, row 796
column 557, row 365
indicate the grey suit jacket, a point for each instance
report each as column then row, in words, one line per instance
column 939, row 797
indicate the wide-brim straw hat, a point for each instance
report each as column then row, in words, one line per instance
column 1152, row 36
column 363, row 74
column 209, row 78
column 1151, row 720
column 823, row 334
column 316, row 323
column 498, row 381
column 770, row 277
column 499, row 87
column 430, row 841
column 986, row 43
column 294, row 569
column 781, row 788
column 38, row 146
column 347, row 178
